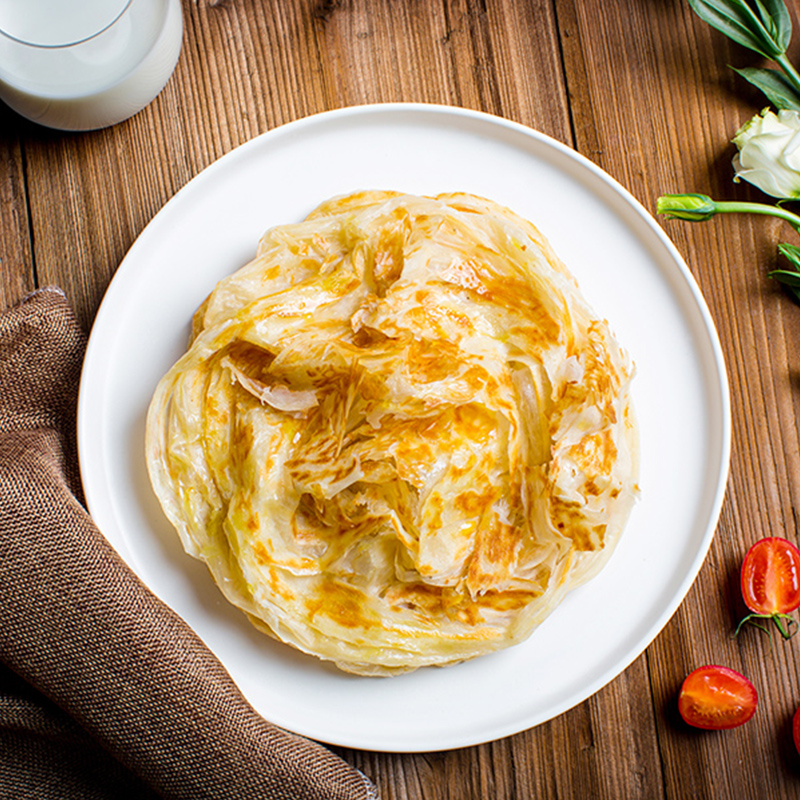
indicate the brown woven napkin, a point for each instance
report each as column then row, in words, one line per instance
column 104, row 691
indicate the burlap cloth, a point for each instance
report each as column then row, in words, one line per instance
column 104, row 691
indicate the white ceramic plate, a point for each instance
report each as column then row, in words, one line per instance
column 630, row 273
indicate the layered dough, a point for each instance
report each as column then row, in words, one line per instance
column 399, row 435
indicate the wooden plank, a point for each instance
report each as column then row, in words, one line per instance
column 108, row 185
column 16, row 263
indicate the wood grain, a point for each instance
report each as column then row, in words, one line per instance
column 16, row 262
column 642, row 88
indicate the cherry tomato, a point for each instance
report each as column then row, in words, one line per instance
column 770, row 582
column 715, row 698
column 796, row 729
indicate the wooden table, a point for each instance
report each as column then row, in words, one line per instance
column 642, row 88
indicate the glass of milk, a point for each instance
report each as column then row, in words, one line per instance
column 85, row 64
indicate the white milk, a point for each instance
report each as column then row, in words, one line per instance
column 56, row 69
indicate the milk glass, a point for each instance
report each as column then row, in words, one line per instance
column 86, row 64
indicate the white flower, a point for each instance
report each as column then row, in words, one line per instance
column 769, row 153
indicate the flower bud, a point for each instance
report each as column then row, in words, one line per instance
column 769, row 153
column 692, row 207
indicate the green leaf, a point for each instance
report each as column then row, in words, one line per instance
column 777, row 12
column 792, row 253
column 763, row 25
column 777, row 88
column 790, row 280
column 785, row 276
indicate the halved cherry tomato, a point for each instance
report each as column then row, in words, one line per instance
column 715, row 698
column 771, row 583
column 796, row 729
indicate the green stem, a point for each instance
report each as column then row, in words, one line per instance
column 735, row 207
column 788, row 68
column 785, row 630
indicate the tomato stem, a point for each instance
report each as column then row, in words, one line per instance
column 787, row 631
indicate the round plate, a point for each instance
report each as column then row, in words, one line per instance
column 628, row 270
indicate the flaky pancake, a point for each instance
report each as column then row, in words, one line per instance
column 399, row 435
